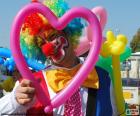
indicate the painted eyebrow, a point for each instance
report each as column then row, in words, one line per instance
column 54, row 35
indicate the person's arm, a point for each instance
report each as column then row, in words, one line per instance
column 11, row 104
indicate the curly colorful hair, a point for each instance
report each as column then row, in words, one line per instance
column 35, row 23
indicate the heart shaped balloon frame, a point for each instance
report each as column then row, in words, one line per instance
column 58, row 24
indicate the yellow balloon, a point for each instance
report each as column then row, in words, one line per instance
column 120, row 103
column 110, row 36
column 117, row 48
column 122, row 38
column 105, row 51
column 113, row 45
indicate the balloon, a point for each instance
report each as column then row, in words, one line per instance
column 115, row 46
column 101, row 12
column 103, row 63
column 58, row 24
column 5, row 52
column 120, row 103
column 106, row 63
column 126, row 54
column 108, row 60
column 84, row 43
column 1, row 61
column 10, row 63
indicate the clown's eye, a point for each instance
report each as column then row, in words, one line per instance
column 55, row 41
column 52, row 37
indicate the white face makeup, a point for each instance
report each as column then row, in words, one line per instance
column 57, row 52
column 60, row 43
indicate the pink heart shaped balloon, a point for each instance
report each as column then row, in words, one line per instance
column 58, row 24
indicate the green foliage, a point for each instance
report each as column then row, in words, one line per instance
column 135, row 43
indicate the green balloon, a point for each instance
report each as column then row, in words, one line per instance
column 106, row 63
column 126, row 54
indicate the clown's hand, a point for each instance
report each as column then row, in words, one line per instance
column 113, row 45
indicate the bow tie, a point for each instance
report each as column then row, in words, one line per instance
column 59, row 78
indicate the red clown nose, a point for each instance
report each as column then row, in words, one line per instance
column 48, row 49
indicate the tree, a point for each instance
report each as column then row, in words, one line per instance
column 135, row 43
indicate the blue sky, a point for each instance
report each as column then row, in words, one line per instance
column 123, row 16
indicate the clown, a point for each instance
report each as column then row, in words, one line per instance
column 41, row 41
column 58, row 47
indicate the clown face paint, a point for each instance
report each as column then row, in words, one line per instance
column 54, row 49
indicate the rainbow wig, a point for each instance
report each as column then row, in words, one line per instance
column 35, row 22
